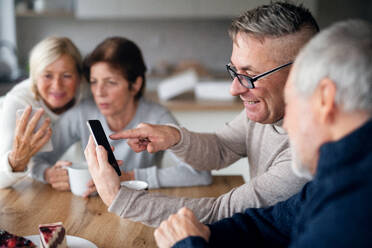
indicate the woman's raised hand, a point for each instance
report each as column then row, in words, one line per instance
column 27, row 142
column 152, row 138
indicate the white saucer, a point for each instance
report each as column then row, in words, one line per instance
column 72, row 241
column 135, row 184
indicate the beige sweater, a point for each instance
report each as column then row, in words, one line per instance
column 265, row 145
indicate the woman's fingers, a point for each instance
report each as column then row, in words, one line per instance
column 90, row 183
column 91, row 188
column 58, row 173
column 61, row 185
column 41, row 133
column 61, row 164
column 22, row 121
column 40, row 142
column 58, row 178
column 26, row 142
column 33, row 122
column 42, row 130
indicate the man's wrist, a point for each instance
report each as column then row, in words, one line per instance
column 46, row 174
column 175, row 132
column 113, row 196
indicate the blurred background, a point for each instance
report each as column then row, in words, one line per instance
column 174, row 35
column 171, row 33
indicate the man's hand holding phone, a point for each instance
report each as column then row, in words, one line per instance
column 104, row 176
column 100, row 138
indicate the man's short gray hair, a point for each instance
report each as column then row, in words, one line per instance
column 342, row 53
column 274, row 20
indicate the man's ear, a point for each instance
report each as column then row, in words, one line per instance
column 137, row 85
column 324, row 98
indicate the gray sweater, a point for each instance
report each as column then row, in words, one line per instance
column 72, row 127
column 269, row 162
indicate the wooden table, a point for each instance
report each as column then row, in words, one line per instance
column 29, row 203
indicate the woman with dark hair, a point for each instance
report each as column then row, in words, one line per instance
column 116, row 73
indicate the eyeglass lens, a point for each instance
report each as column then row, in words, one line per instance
column 244, row 80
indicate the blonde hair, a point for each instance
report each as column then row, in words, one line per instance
column 46, row 52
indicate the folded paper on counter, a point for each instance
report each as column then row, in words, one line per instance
column 214, row 90
column 178, row 84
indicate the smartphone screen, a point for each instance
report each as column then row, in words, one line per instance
column 100, row 138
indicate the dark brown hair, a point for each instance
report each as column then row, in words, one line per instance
column 123, row 55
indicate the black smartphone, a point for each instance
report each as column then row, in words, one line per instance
column 100, row 138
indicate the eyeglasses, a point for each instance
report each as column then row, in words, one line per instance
column 248, row 81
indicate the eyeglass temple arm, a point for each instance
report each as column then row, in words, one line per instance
column 271, row 71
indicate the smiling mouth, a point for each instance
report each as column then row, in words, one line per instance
column 251, row 102
column 58, row 95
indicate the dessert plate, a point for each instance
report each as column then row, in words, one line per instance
column 72, row 241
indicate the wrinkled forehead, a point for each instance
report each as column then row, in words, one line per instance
column 250, row 51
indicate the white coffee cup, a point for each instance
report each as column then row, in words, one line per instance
column 79, row 177
column 135, row 184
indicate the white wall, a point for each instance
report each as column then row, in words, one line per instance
column 206, row 41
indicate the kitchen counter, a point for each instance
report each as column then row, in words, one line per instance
column 188, row 102
column 184, row 102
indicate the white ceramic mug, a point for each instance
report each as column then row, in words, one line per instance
column 79, row 177
column 135, row 184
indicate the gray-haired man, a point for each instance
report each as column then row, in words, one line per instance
column 265, row 41
column 328, row 119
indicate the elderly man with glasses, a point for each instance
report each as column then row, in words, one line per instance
column 265, row 42
column 331, row 83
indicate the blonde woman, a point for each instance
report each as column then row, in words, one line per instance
column 32, row 107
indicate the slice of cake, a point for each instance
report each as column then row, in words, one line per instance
column 10, row 240
column 52, row 235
